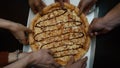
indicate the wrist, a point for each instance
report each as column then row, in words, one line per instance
column 22, row 63
column 29, row 59
column 12, row 57
column 33, row 58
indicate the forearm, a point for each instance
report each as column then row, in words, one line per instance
column 6, row 24
column 17, row 55
column 113, row 16
column 12, row 57
column 20, row 63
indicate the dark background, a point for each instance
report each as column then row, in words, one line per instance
column 107, row 53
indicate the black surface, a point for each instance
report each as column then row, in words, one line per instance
column 17, row 11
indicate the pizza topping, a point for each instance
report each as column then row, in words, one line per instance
column 61, row 31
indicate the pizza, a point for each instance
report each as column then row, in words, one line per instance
column 61, row 30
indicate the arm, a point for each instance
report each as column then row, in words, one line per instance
column 112, row 18
column 7, row 58
column 18, row 30
column 6, row 24
column 17, row 55
column 107, row 23
column 19, row 64
column 39, row 58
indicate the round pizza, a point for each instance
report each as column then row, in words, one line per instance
column 61, row 30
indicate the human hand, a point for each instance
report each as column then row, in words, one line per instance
column 43, row 58
column 36, row 5
column 106, row 23
column 99, row 26
column 62, row 2
column 78, row 64
column 18, row 30
column 86, row 5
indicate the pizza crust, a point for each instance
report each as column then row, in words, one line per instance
column 83, row 18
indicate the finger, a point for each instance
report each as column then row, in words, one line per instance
column 80, row 8
column 41, row 5
column 67, row 1
column 24, row 28
column 61, row 2
column 91, row 27
column 88, row 7
column 55, row 0
column 33, row 8
column 37, row 6
column 81, row 5
column 81, row 61
column 22, row 38
column 56, row 65
column 96, row 33
column 84, row 65
column 71, row 61
column 28, row 30
column 91, row 34
column 84, row 60
column 23, row 41
column 102, row 31
column 36, row 2
column 47, row 51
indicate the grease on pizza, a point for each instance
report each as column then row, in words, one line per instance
column 62, row 31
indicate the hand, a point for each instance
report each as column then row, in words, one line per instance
column 39, row 59
column 43, row 58
column 106, row 23
column 99, row 26
column 86, row 5
column 78, row 64
column 18, row 30
column 36, row 5
column 62, row 2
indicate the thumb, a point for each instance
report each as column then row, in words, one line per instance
column 91, row 27
column 71, row 61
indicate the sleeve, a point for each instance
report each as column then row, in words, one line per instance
column 3, row 58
